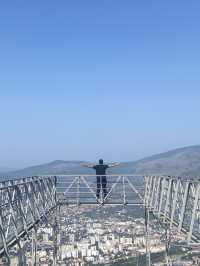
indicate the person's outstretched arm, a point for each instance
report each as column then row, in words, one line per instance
column 113, row 164
column 89, row 165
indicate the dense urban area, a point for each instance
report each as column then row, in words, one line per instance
column 101, row 236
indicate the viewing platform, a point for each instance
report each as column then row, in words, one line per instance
column 30, row 201
column 82, row 190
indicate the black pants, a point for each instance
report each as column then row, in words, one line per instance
column 101, row 183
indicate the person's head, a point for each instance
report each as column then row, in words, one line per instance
column 100, row 161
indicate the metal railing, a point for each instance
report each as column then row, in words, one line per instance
column 27, row 201
column 92, row 189
column 23, row 203
column 175, row 201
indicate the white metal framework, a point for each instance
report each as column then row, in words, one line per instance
column 111, row 189
column 27, row 201
column 176, row 201
column 24, row 202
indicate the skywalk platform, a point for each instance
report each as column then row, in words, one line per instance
column 28, row 201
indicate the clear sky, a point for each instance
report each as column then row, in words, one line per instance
column 88, row 79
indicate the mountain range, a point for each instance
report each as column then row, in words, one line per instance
column 179, row 162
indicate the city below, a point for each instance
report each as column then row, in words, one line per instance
column 92, row 235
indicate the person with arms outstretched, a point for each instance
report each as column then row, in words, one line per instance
column 101, row 175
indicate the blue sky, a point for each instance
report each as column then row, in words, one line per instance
column 89, row 79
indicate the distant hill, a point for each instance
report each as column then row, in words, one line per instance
column 55, row 167
column 179, row 162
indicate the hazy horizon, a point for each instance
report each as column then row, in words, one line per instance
column 11, row 168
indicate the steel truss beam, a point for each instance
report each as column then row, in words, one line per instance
column 116, row 190
column 27, row 201
column 176, row 201
column 24, row 202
